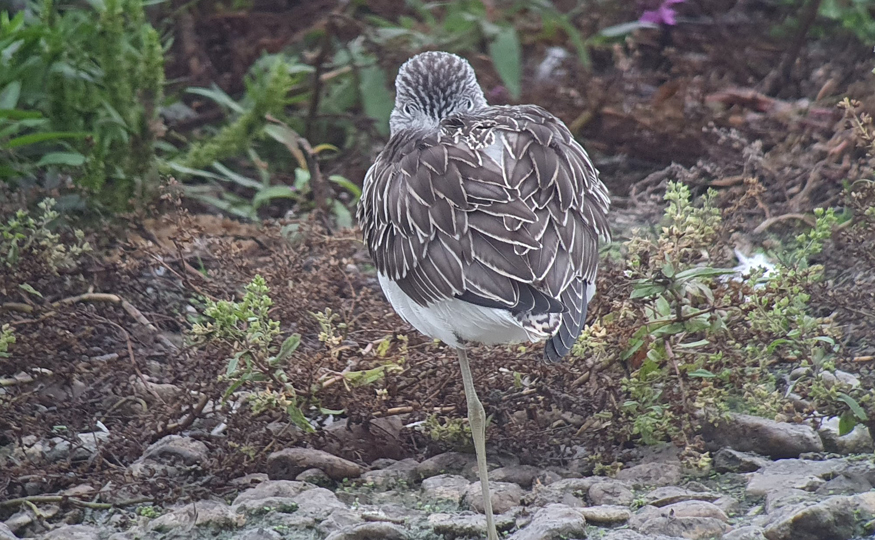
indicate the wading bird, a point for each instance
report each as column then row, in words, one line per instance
column 483, row 222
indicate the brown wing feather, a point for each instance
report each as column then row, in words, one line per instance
column 502, row 208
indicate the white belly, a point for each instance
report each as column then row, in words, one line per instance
column 453, row 320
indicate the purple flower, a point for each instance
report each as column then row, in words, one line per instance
column 662, row 15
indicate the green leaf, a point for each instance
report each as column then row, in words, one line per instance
column 347, row 185
column 646, row 289
column 232, row 365
column 34, row 138
column 693, row 344
column 72, row 159
column 323, row 410
column 376, row 99
column 847, row 423
column 296, row 415
column 620, row 30
column 288, row 347
column 18, row 114
column 506, row 56
column 273, row 192
column 703, row 373
column 219, row 96
column 9, row 95
column 852, row 404
column 27, row 287
column 704, row 271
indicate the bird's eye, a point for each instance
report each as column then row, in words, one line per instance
column 408, row 109
column 469, row 104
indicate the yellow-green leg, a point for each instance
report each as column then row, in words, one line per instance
column 477, row 420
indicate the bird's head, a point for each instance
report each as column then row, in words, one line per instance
column 432, row 86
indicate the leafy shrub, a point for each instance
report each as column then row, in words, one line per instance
column 85, row 83
column 24, row 235
column 701, row 340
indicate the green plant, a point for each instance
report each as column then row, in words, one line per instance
column 246, row 327
column 25, row 235
column 698, row 338
column 7, row 338
column 81, row 87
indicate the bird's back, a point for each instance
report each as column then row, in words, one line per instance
column 497, row 211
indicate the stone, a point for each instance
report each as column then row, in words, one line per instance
column 449, row 487
column 522, row 475
column 835, row 518
column 692, row 528
column 748, row 433
column 684, row 509
column 467, row 524
column 844, row 485
column 258, row 507
column 750, row 532
column 728, row 504
column 652, row 474
column 273, row 488
column 847, row 379
column 787, row 474
column 215, row 515
column 378, row 438
column 340, row 519
column 446, row 463
column 858, row 441
column 628, row 534
column 177, row 448
column 318, row 503
column 553, row 522
column 568, row 491
column 610, row 492
column 667, row 495
column 19, row 520
column 606, row 514
column 289, row 463
column 57, row 448
column 778, row 499
column 6, row 533
column 399, row 472
column 315, row 477
column 729, row 460
column 504, row 496
column 73, row 532
column 369, row 531
column 260, row 533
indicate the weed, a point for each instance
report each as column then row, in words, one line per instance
column 80, row 88
column 24, row 235
column 7, row 338
column 246, row 327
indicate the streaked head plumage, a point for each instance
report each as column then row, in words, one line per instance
column 432, row 86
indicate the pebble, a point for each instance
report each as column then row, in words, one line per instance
column 73, row 532
column 858, row 441
column 6, row 533
column 667, row 495
column 552, row 522
column 369, row 531
column 610, row 492
column 288, row 463
column 834, row 518
column 467, row 523
column 177, row 448
column 729, row 460
column 446, row 463
column 748, row 433
column 504, row 496
column 215, row 515
column 568, row 491
column 606, row 514
column 652, row 474
column 448, row 487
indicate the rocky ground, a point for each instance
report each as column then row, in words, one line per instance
column 783, row 486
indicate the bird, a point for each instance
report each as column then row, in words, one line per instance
column 483, row 222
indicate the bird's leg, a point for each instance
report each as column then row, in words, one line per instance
column 477, row 420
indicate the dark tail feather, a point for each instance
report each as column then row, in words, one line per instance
column 574, row 299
